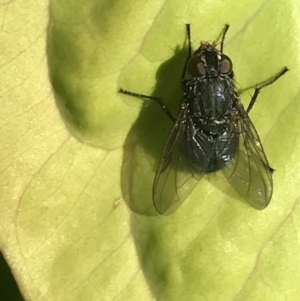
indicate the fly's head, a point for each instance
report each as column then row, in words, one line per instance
column 208, row 62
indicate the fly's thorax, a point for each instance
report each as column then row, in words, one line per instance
column 211, row 98
column 210, row 88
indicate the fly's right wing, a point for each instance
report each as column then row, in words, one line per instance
column 174, row 180
column 249, row 172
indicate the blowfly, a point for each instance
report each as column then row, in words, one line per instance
column 211, row 132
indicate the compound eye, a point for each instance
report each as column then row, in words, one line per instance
column 225, row 64
column 195, row 66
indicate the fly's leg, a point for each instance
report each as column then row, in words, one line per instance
column 188, row 33
column 222, row 36
column 258, row 88
column 158, row 99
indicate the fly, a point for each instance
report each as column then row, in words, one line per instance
column 212, row 132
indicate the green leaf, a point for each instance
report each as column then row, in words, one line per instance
column 78, row 159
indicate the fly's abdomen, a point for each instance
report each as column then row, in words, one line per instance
column 205, row 152
column 224, row 148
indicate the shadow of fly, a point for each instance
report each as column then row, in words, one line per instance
column 211, row 132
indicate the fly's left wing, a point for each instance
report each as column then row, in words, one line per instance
column 174, row 181
column 249, row 172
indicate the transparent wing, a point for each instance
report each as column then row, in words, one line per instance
column 174, row 181
column 249, row 171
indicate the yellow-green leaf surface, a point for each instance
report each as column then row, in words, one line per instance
column 78, row 159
